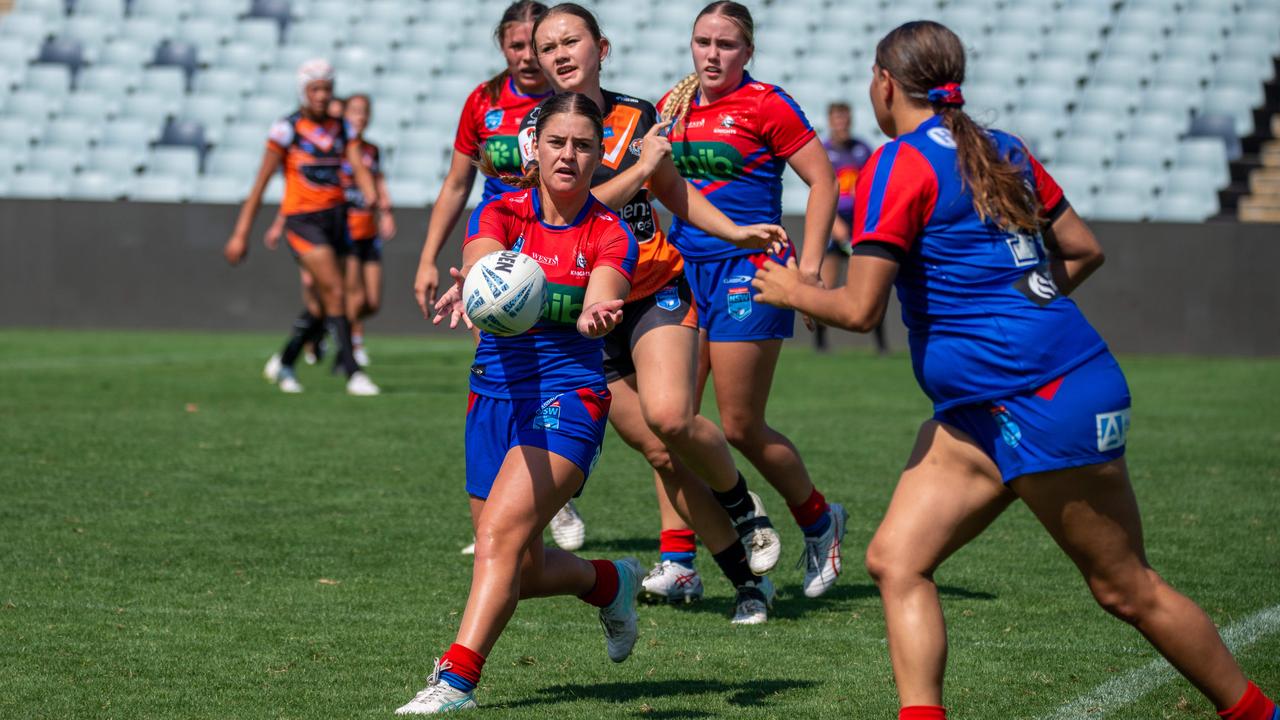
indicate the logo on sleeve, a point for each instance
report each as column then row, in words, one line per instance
column 493, row 119
column 1113, row 429
column 739, row 302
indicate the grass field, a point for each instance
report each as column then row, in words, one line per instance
column 182, row 541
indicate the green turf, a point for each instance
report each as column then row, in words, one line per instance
column 181, row 540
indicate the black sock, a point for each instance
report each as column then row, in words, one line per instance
column 820, row 337
column 735, row 501
column 340, row 326
column 733, row 563
column 304, row 328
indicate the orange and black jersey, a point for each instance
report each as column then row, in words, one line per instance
column 626, row 120
column 360, row 221
column 313, row 153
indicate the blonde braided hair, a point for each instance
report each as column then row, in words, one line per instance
column 681, row 96
column 679, row 100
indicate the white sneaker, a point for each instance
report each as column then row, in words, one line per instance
column 470, row 549
column 759, row 538
column 361, row 356
column 287, row 381
column 822, row 560
column 567, row 528
column 271, row 371
column 753, row 603
column 619, row 618
column 438, row 696
column 310, row 357
column 671, row 582
column 359, row 384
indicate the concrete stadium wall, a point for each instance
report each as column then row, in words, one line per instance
column 1166, row 288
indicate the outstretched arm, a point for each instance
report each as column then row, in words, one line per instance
column 238, row 244
column 687, row 203
column 1074, row 251
column 858, row 306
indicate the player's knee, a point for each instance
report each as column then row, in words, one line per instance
column 372, row 305
column 670, row 424
column 889, row 567
column 1130, row 599
column 744, row 433
column 658, row 457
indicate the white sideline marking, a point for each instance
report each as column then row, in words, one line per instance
column 1121, row 691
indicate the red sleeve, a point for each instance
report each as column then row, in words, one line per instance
column 615, row 246
column 467, row 141
column 894, row 197
column 785, row 128
column 492, row 219
column 1047, row 189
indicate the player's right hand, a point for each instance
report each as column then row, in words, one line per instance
column 424, row 287
column 451, row 303
column 598, row 319
column 235, row 249
column 655, row 146
column 271, row 238
column 772, row 238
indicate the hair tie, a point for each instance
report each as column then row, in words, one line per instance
column 948, row 94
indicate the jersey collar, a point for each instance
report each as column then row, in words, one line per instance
column 515, row 90
column 582, row 214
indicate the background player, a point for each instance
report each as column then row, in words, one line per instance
column 517, row 478
column 732, row 138
column 1028, row 401
column 364, row 264
column 847, row 155
column 489, row 122
column 651, row 359
column 311, row 146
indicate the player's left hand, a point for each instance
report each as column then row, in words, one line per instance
column 598, row 319
column 774, row 283
column 386, row 226
column 451, row 303
column 814, row 279
column 771, row 238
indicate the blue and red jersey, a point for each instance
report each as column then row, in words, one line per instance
column 553, row 357
column 848, row 159
column 984, row 317
column 735, row 150
column 492, row 126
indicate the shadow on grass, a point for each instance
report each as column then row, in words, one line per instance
column 792, row 604
column 752, row 693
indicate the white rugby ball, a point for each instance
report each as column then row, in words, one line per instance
column 505, row 293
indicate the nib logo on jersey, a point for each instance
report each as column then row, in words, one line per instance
column 503, row 151
column 708, row 160
column 564, row 303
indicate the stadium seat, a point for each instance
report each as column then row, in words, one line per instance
column 1124, row 72
column 109, row 81
column 400, row 86
column 38, row 184
column 1086, row 151
column 277, row 82
column 61, row 162
column 105, row 10
column 1122, row 179
column 177, row 53
column 314, row 35
column 116, row 160
column 53, row 80
column 417, row 61
column 124, row 53
column 223, row 81
column 1139, row 151
column 188, row 133
column 374, row 32
column 277, row 10
column 1143, row 20
column 1217, row 125
column 265, row 110
column 97, row 185
column 234, row 162
column 1077, row 182
column 48, row 9
column 65, row 51
column 259, row 32
column 206, row 34
column 90, row 105
column 211, row 108
column 1044, row 98
column 1106, row 124
column 1073, row 45
column 145, row 31
column 1236, row 102
column 179, row 161
column 163, row 80
column 166, row 11
column 29, row 28
column 221, row 189
column 1080, row 19
column 1122, row 206
column 222, row 9
column 150, row 107
column 1108, row 98
column 244, row 58
column 15, row 150
column 16, row 52
column 91, row 31
column 1209, row 156
column 32, row 105
column 1192, row 206
column 129, row 132
column 161, row 188
column 247, row 136
column 74, row 133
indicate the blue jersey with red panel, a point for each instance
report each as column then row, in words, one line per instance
column 735, row 151
column 984, row 316
column 553, row 357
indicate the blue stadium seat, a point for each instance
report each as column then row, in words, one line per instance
column 277, row 10
column 1237, row 102
column 97, row 185
column 177, row 53
column 184, row 133
column 62, row 51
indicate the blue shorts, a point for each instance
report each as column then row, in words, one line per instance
column 570, row 425
column 726, row 310
column 1082, row 418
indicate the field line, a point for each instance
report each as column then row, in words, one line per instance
column 1118, row 692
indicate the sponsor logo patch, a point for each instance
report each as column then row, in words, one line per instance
column 1024, row 248
column 668, row 298
column 548, row 416
column 739, row 302
column 493, row 119
column 1038, row 286
column 737, row 280
column 1113, row 429
column 1009, row 430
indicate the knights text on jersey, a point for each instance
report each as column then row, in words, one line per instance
column 735, row 151
column 553, row 357
column 492, row 127
column 360, row 222
column 984, row 316
column 313, row 154
column 626, row 121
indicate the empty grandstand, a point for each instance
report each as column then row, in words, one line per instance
column 1143, row 109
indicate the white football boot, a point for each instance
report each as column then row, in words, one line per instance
column 619, row 618
column 759, row 538
column 360, row 385
column 287, row 381
column 470, row 549
column 822, row 560
column 438, row 696
column 361, row 355
column 567, row 528
column 271, row 371
column 753, row 603
column 671, row 582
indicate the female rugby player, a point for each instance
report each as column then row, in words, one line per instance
column 1028, row 402
column 364, row 264
column 546, row 389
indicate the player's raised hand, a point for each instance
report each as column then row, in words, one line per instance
column 598, row 319
column 451, row 303
column 763, row 236
column 775, row 283
column 655, row 146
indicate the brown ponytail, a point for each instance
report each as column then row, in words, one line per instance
column 681, row 96
column 564, row 103
column 521, row 11
column 923, row 56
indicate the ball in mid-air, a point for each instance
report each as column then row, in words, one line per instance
column 505, row 293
